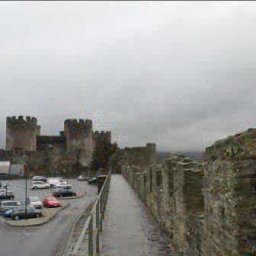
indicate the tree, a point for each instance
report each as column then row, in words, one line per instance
column 102, row 154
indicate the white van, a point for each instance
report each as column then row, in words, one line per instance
column 4, row 205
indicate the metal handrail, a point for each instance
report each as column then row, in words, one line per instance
column 88, row 242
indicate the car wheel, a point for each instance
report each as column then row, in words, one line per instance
column 17, row 217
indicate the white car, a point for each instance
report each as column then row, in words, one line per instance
column 62, row 184
column 39, row 178
column 35, row 202
column 9, row 193
column 4, row 205
column 39, row 185
column 53, row 181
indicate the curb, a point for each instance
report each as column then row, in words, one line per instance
column 71, row 233
column 36, row 224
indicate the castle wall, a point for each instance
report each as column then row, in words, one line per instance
column 21, row 133
column 141, row 156
column 229, row 192
column 69, row 153
column 209, row 209
column 46, row 142
column 102, row 137
column 173, row 193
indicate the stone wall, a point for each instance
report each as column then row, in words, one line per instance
column 207, row 209
column 172, row 191
column 230, row 203
column 46, row 142
column 140, row 156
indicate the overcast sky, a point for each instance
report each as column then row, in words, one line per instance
column 181, row 75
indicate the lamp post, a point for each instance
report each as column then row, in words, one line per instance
column 6, row 189
column 26, row 190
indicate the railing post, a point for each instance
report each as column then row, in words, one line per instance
column 98, row 229
column 101, row 212
column 88, row 229
column 90, row 239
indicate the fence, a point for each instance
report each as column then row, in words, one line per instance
column 88, row 243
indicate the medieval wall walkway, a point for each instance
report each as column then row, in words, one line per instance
column 128, row 227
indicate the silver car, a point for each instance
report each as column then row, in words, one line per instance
column 4, row 205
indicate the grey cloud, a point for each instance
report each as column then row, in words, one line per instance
column 178, row 74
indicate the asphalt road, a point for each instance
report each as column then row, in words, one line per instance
column 48, row 239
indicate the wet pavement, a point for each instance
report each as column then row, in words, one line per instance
column 128, row 228
column 49, row 239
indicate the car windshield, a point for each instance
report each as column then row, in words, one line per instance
column 33, row 199
column 51, row 199
column 22, row 208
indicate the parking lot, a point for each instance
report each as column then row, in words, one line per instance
column 18, row 188
column 50, row 238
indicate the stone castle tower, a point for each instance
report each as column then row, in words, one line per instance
column 79, row 138
column 21, row 134
column 102, row 137
column 74, row 145
column 151, row 152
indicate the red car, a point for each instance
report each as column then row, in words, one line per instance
column 51, row 201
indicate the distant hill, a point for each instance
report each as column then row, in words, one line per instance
column 195, row 155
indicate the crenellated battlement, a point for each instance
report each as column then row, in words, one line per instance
column 102, row 133
column 102, row 136
column 151, row 146
column 29, row 120
column 21, row 133
column 78, row 122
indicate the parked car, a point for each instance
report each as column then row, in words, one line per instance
column 8, row 212
column 35, row 202
column 39, row 185
column 5, row 205
column 4, row 197
column 51, row 201
column 6, row 194
column 62, row 184
column 62, row 192
column 19, row 213
column 82, row 178
column 39, row 178
column 92, row 181
column 53, row 181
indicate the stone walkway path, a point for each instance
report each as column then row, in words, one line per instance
column 128, row 227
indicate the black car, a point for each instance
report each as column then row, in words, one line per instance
column 93, row 181
column 63, row 192
column 19, row 213
column 6, row 197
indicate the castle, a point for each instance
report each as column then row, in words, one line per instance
column 74, row 146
